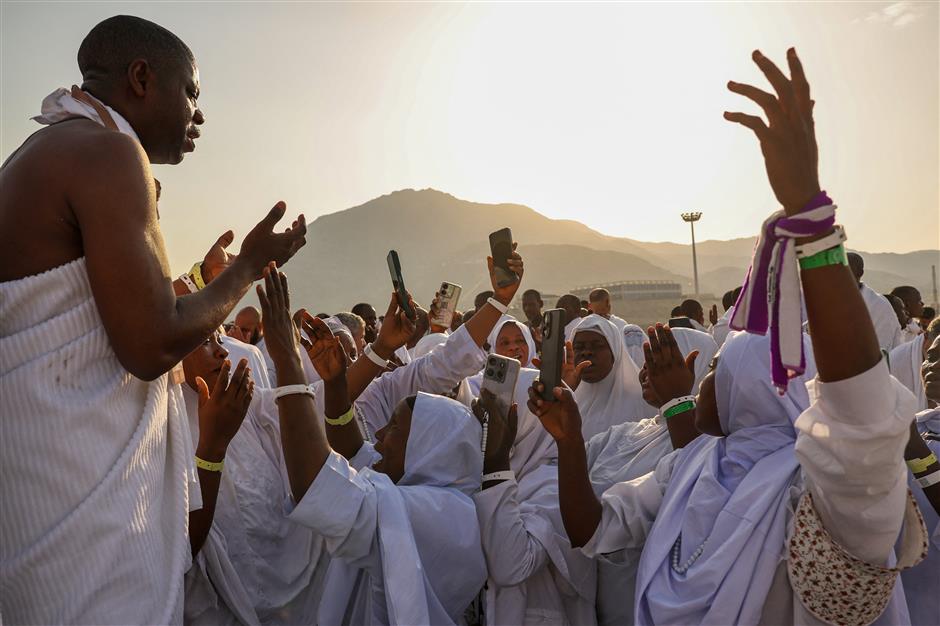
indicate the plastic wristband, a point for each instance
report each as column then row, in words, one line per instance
column 496, row 304
column 677, row 405
column 372, row 356
column 504, row 475
column 196, row 275
column 343, row 419
column 929, row 480
column 833, row 239
column 189, row 283
column 829, row 256
column 209, row 466
column 291, row 390
column 918, row 466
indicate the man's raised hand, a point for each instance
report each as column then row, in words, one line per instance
column 396, row 328
column 262, row 245
column 788, row 139
column 281, row 337
column 505, row 294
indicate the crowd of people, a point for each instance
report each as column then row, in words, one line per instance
column 775, row 464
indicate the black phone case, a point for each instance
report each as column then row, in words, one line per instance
column 394, row 270
column 501, row 250
column 553, row 351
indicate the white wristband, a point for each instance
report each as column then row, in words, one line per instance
column 372, row 356
column 189, row 283
column 496, row 304
column 831, row 240
column 290, row 390
column 929, row 480
column 504, row 475
column 675, row 402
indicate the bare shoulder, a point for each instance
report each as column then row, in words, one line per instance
column 57, row 174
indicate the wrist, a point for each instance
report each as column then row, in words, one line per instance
column 382, row 349
column 497, row 463
column 289, row 370
column 570, row 442
column 212, row 451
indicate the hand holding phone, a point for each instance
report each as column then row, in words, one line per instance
column 394, row 270
column 501, row 249
column 445, row 304
column 553, row 351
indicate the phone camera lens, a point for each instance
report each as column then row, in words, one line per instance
column 489, row 371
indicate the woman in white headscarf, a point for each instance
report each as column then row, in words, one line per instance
column 509, row 338
column 633, row 339
column 609, row 390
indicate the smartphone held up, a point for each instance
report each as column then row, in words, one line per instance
column 501, row 250
column 394, row 269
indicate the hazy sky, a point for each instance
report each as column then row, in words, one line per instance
column 605, row 113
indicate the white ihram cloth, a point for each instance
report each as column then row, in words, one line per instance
column 911, row 331
column 920, row 581
column 278, row 567
column 720, row 330
column 862, row 422
column 905, row 361
column 97, row 467
column 310, row 372
column 625, row 452
column 633, row 339
column 617, row 398
column 413, row 548
column 238, row 350
column 619, row 322
column 439, row 371
column 570, row 326
column 883, row 318
column 535, row 576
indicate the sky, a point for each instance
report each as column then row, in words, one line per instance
column 609, row 114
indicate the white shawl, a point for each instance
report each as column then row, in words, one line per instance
column 905, row 361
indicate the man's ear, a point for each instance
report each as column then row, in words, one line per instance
column 139, row 77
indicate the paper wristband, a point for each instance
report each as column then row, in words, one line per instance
column 209, row 466
column 496, row 304
column 929, row 480
column 189, row 283
column 920, row 465
column 504, row 475
column 196, row 275
column 372, row 356
column 290, row 390
column 830, row 256
column 833, row 239
column 667, row 409
column 343, row 419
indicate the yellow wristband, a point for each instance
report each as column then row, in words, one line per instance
column 209, row 466
column 196, row 275
column 918, row 466
column 343, row 419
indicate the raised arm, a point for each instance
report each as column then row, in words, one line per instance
column 302, row 434
column 150, row 328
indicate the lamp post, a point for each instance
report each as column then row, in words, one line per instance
column 691, row 218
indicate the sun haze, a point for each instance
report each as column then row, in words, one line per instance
column 609, row 114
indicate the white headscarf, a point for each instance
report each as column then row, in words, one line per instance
column 633, row 339
column 617, row 398
column 428, row 344
column 443, row 466
column 689, row 340
column 729, row 496
column 526, row 334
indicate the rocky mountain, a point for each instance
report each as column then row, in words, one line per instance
column 440, row 237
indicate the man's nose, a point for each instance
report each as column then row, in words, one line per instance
column 199, row 117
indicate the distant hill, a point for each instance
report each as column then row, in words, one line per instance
column 440, row 237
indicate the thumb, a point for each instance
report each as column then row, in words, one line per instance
column 690, row 360
column 536, row 362
column 203, row 390
column 226, row 239
column 274, row 216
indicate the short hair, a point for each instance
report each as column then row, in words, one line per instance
column 532, row 292
column 856, row 263
column 568, row 301
column 361, row 307
column 255, row 313
column 481, row 298
column 904, row 292
column 933, row 331
column 727, row 300
column 690, row 307
column 737, row 292
column 353, row 322
column 599, row 294
column 112, row 45
column 676, row 312
column 929, row 313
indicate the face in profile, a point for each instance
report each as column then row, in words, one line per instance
column 249, row 326
column 930, row 372
column 511, row 343
column 592, row 346
column 391, row 441
column 175, row 116
column 205, row 362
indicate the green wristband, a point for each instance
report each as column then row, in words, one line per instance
column 829, row 256
column 682, row 407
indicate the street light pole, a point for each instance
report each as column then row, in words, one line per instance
column 691, row 218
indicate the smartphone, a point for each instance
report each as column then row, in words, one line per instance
column 394, row 269
column 553, row 351
column 499, row 378
column 447, row 297
column 679, row 322
column 501, row 250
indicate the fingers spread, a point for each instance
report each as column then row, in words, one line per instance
column 765, row 100
column 226, row 239
column 780, row 83
column 274, row 215
column 751, row 121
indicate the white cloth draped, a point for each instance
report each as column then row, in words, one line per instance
column 905, row 361
column 689, row 340
column 238, row 350
column 883, row 318
column 97, row 466
column 618, row 397
column 391, row 541
column 720, row 330
column 633, row 339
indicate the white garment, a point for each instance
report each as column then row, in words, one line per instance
column 619, row 322
column 400, row 543
column 492, row 338
column 238, row 350
column 905, row 361
column 883, row 318
column 439, row 371
column 911, row 331
column 720, row 330
column 570, row 326
column 279, row 565
column 618, row 397
column 97, row 466
column 863, row 423
column 310, row 372
column 697, row 326
column 689, row 340
column 633, row 339
column 535, row 576
column 920, row 581
column 403, row 355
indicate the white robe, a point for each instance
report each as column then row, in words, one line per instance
column 911, row 331
column 395, row 546
column 272, row 569
column 869, row 419
column 97, row 466
column 238, row 350
column 720, row 330
column 905, row 361
column 883, row 318
column 619, row 322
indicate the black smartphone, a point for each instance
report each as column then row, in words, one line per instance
column 394, row 270
column 679, row 322
column 501, row 250
column 553, row 351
